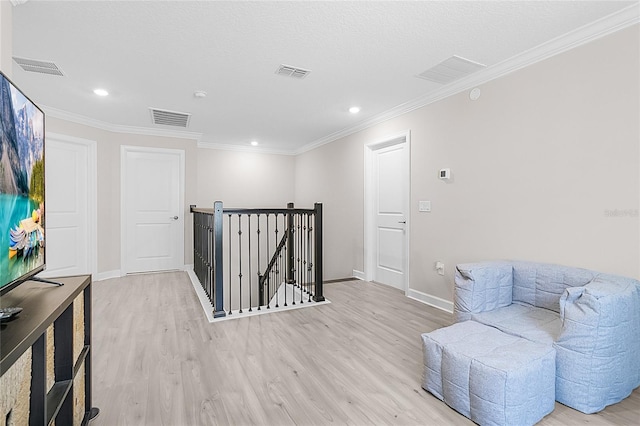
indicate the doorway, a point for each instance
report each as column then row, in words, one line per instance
column 387, row 192
column 152, row 215
column 71, row 205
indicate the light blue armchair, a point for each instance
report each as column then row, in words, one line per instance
column 591, row 319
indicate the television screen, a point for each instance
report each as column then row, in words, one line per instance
column 22, row 218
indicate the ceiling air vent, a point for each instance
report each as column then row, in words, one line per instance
column 289, row 71
column 450, row 70
column 42, row 67
column 170, row 118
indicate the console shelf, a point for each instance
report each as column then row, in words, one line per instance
column 59, row 389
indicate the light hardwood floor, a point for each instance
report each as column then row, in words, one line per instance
column 358, row 361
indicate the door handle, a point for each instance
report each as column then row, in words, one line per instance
column 403, row 221
column 174, row 218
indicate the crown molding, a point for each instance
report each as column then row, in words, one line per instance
column 117, row 128
column 608, row 25
column 242, row 148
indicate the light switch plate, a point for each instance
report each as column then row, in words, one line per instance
column 424, row 206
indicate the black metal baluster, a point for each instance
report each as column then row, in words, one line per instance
column 296, row 273
column 260, row 289
column 268, row 298
column 277, row 283
column 300, row 254
column 276, row 278
column 288, row 256
column 240, row 259
column 285, row 265
column 258, row 260
column 272, row 276
column 250, row 276
column 196, row 246
column 230, row 289
column 276, row 274
column 306, row 269
column 288, row 261
column 310, row 249
column 303, row 274
column 283, row 272
column 296, row 256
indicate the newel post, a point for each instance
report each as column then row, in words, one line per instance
column 218, row 288
column 317, row 252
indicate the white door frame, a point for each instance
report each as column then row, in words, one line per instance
column 369, row 202
column 92, row 196
column 124, row 150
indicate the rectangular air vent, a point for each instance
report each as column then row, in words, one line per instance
column 289, row 71
column 170, row 118
column 451, row 69
column 42, row 67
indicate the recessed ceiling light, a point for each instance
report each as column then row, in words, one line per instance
column 101, row 92
column 354, row 110
column 254, row 143
column 200, row 94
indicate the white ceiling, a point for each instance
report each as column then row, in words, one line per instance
column 158, row 53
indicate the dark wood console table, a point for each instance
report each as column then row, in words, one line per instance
column 55, row 327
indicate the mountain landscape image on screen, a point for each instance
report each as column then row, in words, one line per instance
column 21, row 184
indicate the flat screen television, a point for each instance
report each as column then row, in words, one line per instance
column 22, row 182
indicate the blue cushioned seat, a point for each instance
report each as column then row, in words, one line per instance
column 489, row 376
column 591, row 319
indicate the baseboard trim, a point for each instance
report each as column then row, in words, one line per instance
column 337, row 280
column 107, row 275
column 116, row 273
column 430, row 300
column 358, row 274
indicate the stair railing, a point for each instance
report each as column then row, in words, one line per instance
column 272, row 274
column 243, row 257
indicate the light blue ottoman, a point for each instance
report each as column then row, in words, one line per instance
column 491, row 377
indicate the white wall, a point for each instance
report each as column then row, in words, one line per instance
column 333, row 175
column 538, row 164
column 244, row 179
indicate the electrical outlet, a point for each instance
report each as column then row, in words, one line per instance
column 440, row 268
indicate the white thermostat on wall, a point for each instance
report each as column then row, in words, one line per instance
column 445, row 174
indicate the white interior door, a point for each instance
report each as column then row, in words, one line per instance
column 387, row 196
column 70, row 206
column 152, row 209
